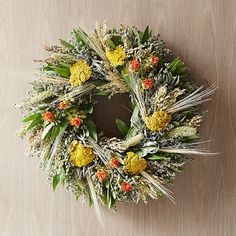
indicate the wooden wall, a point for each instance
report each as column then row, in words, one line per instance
column 203, row 33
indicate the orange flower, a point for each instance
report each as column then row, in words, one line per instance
column 135, row 64
column 101, row 175
column 75, row 121
column 48, row 116
column 147, row 83
column 114, row 162
column 154, row 60
column 63, row 105
column 126, row 187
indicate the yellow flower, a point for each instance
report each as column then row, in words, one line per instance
column 158, row 120
column 80, row 155
column 133, row 163
column 80, row 72
column 116, row 57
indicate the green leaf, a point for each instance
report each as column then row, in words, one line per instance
column 107, row 183
column 196, row 136
column 81, row 37
column 90, row 199
column 113, row 201
column 108, row 198
column 46, row 130
column 79, row 188
column 182, row 131
column 54, row 132
column 63, row 176
column 114, row 194
column 134, row 140
column 155, row 157
column 177, row 67
column 89, row 108
column 103, row 93
column 63, row 64
column 135, row 116
column 110, row 43
column 64, row 72
column 177, row 168
column 91, row 128
column 126, row 78
column 63, row 125
column 122, row 126
column 31, row 117
column 132, row 132
column 55, row 181
column 35, row 122
column 145, row 35
column 116, row 40
column 66, row 44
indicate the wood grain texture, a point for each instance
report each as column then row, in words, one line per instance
column 203, row 33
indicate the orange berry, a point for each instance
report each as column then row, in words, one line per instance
column 154, row 60
column 147, row 83
column 135, row 64
column 101, row 175
column 75, row 121
column 48, row 116
column 126, row 187
column 114, row 162
column 63, row 105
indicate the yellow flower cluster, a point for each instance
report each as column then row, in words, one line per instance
column 158, row 120
column 133, row 163
column 80, row 155
column 116, row 57
column 80, row 72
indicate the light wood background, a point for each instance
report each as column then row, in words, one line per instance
column 203, row 33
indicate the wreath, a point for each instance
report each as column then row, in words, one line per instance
column 159, row 139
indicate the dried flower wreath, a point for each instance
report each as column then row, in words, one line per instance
column 163, row 126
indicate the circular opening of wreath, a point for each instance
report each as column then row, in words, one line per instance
column 80, row 92
column 110, row 114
